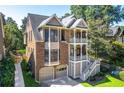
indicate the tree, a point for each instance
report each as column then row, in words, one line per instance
column 23, row 26
column 13, row 36
column 99, row 19
column 66, row 14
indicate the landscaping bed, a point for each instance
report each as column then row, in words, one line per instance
column 27, row 75
column 107, row 81
column 7, row 72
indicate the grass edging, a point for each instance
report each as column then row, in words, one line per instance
column 28, row 78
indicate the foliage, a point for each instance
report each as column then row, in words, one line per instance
column 99, row 19
column 7, row 73
column 66, row 14
column 21, row 51
column 28, row 78
column 23, row 26
column 13, row 36
column 121, row 75
column 116, row 57
column 104, row 69
column 108, row 81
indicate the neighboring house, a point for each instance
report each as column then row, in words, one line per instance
column 58, row 47
column 2, row 48
column 116, row 34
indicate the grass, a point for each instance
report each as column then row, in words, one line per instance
column 28, row 79
column 21, row 51
column 121, row 75
column 108, row 81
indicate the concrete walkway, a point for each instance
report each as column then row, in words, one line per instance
column 63, row 82
column 19, row 81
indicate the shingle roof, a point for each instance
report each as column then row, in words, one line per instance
column 48, row 19
column 68, row 21
column 35, row 21
column 40, row 20
column 79, row 23
column 113, row 31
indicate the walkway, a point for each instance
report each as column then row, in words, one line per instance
column 63, row 82
column 19, row 81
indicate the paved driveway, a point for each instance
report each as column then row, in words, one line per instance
column 63, row 82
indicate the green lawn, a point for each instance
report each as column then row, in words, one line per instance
column 109, row 81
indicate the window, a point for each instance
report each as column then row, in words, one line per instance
column 46, row 35
column 84, row 50
column 46, row 55
column 78, row 34
column 54, row 55
column 71, row 50
column 63, row 35
column 83, row 34
column 78, row 50
column 53, row 35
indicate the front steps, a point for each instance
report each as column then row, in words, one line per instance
column 91, row 69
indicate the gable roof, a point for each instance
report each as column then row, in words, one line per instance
column 38, row 21
column 79, row 23
column 121, row 33
column 47, row 21
column 114, row 31
column 68, row 21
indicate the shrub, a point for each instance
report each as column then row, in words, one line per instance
column 121, row 75
column 28, row 78
column 104, row 69
column 7, row 73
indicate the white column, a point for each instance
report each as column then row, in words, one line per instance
column 81, row 36
column 86, row 37
column 74, row 53
column 81, row 45
column 81, row 61
column 49, row 47
column 86, row 52
column 58, row 43
column 67, row 71
column 74, row 46
column 86, row 46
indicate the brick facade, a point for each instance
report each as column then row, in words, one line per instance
column 36, row 46
column 64, row 52
column 39, row 58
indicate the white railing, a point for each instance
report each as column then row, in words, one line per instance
column 87, row 72
column 78, row 58
column 78, row 40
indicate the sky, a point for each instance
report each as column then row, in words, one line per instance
column 18, row 12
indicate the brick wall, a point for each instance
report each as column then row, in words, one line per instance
column 39, row 58
column 63, row 52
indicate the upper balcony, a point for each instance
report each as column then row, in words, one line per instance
column 77, row 58
column 78, row 36
column 78, row 40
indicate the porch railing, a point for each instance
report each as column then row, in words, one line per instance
column 78, row 40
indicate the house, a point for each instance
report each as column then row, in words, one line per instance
column 57, row 47
column 2, row 48
column 116, row 34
